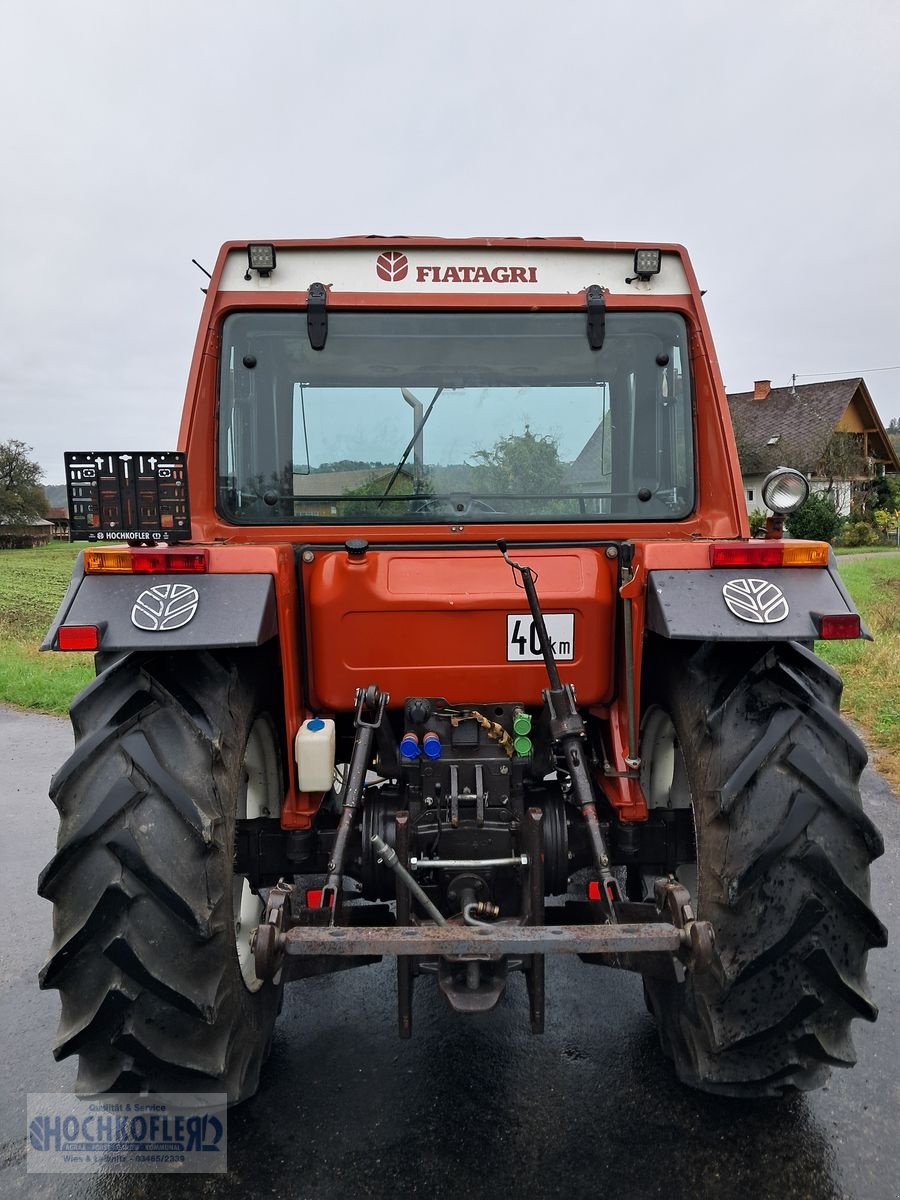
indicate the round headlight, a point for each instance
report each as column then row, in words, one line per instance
column 784, row 490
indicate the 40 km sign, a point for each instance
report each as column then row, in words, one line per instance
column 522, row 643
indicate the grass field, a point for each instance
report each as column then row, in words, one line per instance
column 871, row 670
column 32, row 583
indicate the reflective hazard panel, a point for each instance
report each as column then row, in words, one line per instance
column 522, row 643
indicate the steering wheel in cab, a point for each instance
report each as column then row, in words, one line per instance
column 457, row 504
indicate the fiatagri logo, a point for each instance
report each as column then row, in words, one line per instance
column 393, row 266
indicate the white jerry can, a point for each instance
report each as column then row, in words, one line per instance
column 314, row 752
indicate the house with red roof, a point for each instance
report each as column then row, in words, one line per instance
column 830, row 431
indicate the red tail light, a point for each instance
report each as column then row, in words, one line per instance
column 122, row 560
column 746, row 556
column 844, row 625
column 78, row 637
column 160, row 562
column 769, row 554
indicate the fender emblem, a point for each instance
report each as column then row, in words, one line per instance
column 165, row 606
column 755, row 600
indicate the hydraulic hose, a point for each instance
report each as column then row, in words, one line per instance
column 389, row 857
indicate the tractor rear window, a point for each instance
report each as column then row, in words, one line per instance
column 430, row 417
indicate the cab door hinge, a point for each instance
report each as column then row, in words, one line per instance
column 317, row 315
column 596, row 316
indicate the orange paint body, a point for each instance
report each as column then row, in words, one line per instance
column 423, row 620
column 424, row 623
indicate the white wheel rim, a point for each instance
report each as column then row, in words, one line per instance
column 658, row 758
column 260, row 797
column 664, row 780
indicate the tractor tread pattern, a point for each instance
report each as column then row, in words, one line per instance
column 141, row 882
column 785, row 873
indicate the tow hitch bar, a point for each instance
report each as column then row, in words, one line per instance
column 494, row 941
column 675, row 932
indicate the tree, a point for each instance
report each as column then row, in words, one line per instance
column 893, row 432
column 22, row 498
column 844, row 467
column 519, row 464
column 345, row 464
column 816, row 518
column 885, row 490
column 404, row 485
column 757, row 522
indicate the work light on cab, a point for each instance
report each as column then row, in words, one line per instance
column 784, row 490
column 261, row 258
column 646, row 264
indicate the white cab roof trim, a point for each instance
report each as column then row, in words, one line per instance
column 435, row 270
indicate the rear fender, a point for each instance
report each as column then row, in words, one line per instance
column 248, row 597
column 748, row 604
column 169, row 612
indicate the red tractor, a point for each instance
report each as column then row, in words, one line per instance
column 442, row 637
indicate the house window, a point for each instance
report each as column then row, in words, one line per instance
column 749, row 493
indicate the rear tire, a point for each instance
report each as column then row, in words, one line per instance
column 156, row 989
column 783, row 853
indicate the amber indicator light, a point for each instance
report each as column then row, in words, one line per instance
column 769, row 554
column 124, row 561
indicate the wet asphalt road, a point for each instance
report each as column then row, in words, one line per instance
column 467, row 1108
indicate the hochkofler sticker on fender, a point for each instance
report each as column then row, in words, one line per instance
column 522, row 644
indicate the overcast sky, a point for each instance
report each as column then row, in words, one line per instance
column 135, row 136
